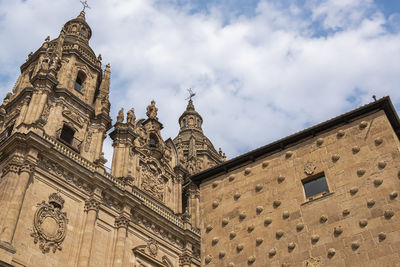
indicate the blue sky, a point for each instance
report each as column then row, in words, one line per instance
column 262, row 69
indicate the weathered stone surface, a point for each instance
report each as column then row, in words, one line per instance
column 331, row 228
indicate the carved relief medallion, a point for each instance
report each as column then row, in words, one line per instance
column 152, row 247
column 309, row 168
column 50, row 224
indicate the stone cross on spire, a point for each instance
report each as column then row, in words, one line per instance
column 191, row 94
column 85, row 5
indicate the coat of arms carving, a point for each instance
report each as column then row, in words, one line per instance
column 309, row 168
column 50, row 224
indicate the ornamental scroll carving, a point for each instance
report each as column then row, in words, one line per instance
column 50, row 224
column 152, row 182
column 74, row 117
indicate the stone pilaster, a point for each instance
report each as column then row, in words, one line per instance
column 194, row 205
column 16, row 200
column 91, row 208
column 121, row 223
column 185, row 260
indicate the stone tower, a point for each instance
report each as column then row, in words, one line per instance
column 58, row 204
column 195, row 150
column 62, row 93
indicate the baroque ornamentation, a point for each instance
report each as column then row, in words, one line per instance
column 92, row 204
column 121, row 222
column 74, row 117
column 313, row 262
column 309, row 168
column 152, row 247
column 60, row 172
column 50, row 224
column 152, row 182
column 185, row 260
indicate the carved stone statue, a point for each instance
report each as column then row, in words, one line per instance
column 120, row 117
column 130, row 116
column 54, row 64
column 152, row 110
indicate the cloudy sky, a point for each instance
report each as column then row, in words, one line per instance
column 261, row 69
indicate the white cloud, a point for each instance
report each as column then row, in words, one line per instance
column 258, row 78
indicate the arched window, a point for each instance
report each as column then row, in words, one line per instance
column 184, row 122
column 83, row 31
column 80, row 79
column 198, row 123
column 153, row 140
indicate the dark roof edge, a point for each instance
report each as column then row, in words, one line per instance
column 384, row 104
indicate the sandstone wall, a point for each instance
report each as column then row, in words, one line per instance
column 258, row 215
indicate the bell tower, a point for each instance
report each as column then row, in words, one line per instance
column 62, row 93
column 195, row 150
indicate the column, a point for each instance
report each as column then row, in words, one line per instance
column 92, row 208
column 121, row 223
column 16, row 201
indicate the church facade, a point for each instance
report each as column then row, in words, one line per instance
column 59, row 206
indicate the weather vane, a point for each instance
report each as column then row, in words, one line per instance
column 191, row 94
column 85, row 5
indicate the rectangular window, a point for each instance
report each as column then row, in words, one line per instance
column 67, row 134
column 315, row 186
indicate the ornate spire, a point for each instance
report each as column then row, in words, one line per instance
column 190, row 119
column 81, row 16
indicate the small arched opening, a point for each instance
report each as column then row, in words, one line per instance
column 80, row 79
column 153, row 140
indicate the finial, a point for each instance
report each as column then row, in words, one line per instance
column 108, row 65
column 191, row 94
column 47, row 39
column 99, row 58
column 374, row 97
column 85, row 5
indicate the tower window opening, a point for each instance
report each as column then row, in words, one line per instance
column 153, row 141
column 67, row 134
column 184, row 123
column 83, row 31
column 198, row 123
column 315, row 186
column 80, row 79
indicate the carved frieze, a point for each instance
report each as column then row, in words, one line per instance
column 60, row 172
column 157, row 229
column 50, row 224
column 74, row 117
